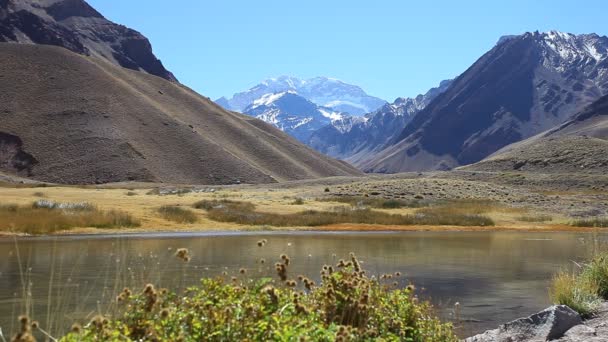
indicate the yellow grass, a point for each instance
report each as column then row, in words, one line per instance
column 144, row 207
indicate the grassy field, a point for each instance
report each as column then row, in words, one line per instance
column 282, row 208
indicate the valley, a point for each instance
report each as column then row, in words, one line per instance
column 302, row 207
column 512, row 201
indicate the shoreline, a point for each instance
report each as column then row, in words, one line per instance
column 337, row 228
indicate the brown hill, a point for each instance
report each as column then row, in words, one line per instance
column 68, row 118
column 579, row 145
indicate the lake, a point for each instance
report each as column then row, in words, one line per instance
column 495, row 276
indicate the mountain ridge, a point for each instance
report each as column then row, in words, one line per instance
column 77, row 26
column 323, row 91
column 522, row 86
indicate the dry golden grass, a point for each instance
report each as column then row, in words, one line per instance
column 144, row 207
column 34, row 219
column 177, row 214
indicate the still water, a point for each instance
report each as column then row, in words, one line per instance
column 495, row 276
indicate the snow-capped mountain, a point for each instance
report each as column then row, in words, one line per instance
column 294, row 114
column 323, row 91
column 526, row 84
column 375, row 130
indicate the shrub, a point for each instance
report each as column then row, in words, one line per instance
column 597, row 222
column 379, row 203
column 224, row 203
column 243, row 213
column 131, row 193
column 298, row 201
column 346, row 305
column 535, row 218
column 39, row 194
column 43, row 217
column 596, row 272
column 177, row 214
column 579, row 293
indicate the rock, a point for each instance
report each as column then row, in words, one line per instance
column 580, row 333
column 548, row 324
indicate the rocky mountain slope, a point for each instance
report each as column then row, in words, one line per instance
column 75, row 25
column 325, row 92
column 293, row 114
column 580, row 145
column 362, row 138
column 525, row 85
column 68, row 118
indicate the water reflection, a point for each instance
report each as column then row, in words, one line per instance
column 495, row 276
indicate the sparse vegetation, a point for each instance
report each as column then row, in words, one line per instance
column 38, row 194
column 43, row 217
column 131, row 193
column 346, row 306
column 298, row 201
column 596, row 222
column 379, row 203
column 243, row 213
column 535, row 218
column 224, row 203
column 163, row 192
column 177, row 214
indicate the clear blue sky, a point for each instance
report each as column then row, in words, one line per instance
column 390, row 48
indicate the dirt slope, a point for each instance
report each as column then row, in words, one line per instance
column 579, row 145
column 71, row 119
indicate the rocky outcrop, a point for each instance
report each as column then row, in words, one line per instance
column 592, row 330
column 76, row 26
column 556, row 323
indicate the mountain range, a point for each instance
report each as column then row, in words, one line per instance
column 364, row 137
column 526, row 84
column 294, row 114
column 107, row 110
column 323, row 91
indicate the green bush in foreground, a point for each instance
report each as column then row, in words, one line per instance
column 575, row 291
column 582, row 291
column 346, row 306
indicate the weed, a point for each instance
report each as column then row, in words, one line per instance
column 346, row 305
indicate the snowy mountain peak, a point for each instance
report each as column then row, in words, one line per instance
column 567, row 48
column 268, row 99
column 294, row 114
column 323, row 91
